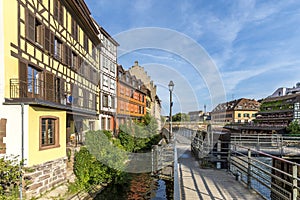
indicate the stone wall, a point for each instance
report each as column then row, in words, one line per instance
column 40, row 178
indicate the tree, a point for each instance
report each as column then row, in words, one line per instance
column 136, row 136
column 294, row 128
column 180, row 117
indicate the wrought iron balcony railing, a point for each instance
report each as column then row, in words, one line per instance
column 24, row 91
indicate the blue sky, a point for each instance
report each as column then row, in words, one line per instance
column 254, row 45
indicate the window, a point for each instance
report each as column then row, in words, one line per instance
column 57, row 48
column 94, row 52
column 120, row 74
column 103, row 123
column 105, row 101
column 122, row 106
column 297, row 106
column 239, row 115
column 113, row 102
column 92, row 125
column 109, row 101
column 105, row 81
column 34, row 79
column 39, row 32
column 131, row 93
column 74, row 61
column 112, row 84
column 49, row 132
column 108, row 123
column 253, row 115
column 58, row 12
column 112, row 67
column 93, row 77
column 297, row 115
column 104, row 62
column 34, row 29
column 246, row 115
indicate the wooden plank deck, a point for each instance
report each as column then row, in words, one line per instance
column 197, row 183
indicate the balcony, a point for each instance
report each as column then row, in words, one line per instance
column 38, row 93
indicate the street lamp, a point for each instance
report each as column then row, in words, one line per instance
column 171, row 87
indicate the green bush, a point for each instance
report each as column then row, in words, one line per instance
column 9, row 178
column 99, row 162
column 294, row 128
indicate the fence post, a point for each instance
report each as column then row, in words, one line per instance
column 229, row 157
column 295, row 190
column 249, row 169
column 152, row 161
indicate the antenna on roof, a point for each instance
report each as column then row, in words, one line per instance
column 232, row 96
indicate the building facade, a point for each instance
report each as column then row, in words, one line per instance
column 108, row 82
column 49, row 84
column 275, row 114
column 279, row 111
column 131, row 96
column 153, row 101
column 237, row 111
column 196, row 115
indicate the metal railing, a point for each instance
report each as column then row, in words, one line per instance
column 272, row 177
column 38, row 90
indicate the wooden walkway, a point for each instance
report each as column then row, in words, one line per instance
column 196, row 183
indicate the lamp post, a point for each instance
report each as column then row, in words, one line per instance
column 171, row 87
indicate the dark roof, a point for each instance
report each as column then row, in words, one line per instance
column 238, row 104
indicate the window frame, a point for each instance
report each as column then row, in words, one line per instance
column 56, row 133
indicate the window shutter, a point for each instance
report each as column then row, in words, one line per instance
column 50, row 89
column 30, row 24
column 40, row 30
column 69, row 56
column 67, row 51
column 79, row 63
column 65, row 54
column 51, row 41
column 86, row 97
column 47, row 39
column 62, row 87
column 55, row 8
column 22, row 79
column 61, row 14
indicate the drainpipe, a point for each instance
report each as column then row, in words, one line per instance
column 22, row 148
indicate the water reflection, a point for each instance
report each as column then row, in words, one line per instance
column 141, row 186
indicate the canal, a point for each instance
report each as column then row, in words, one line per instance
column 140, row 186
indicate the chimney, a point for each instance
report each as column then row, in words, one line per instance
column 136, row 63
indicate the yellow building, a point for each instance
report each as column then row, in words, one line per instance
column 49, row 70
column 237, row 111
